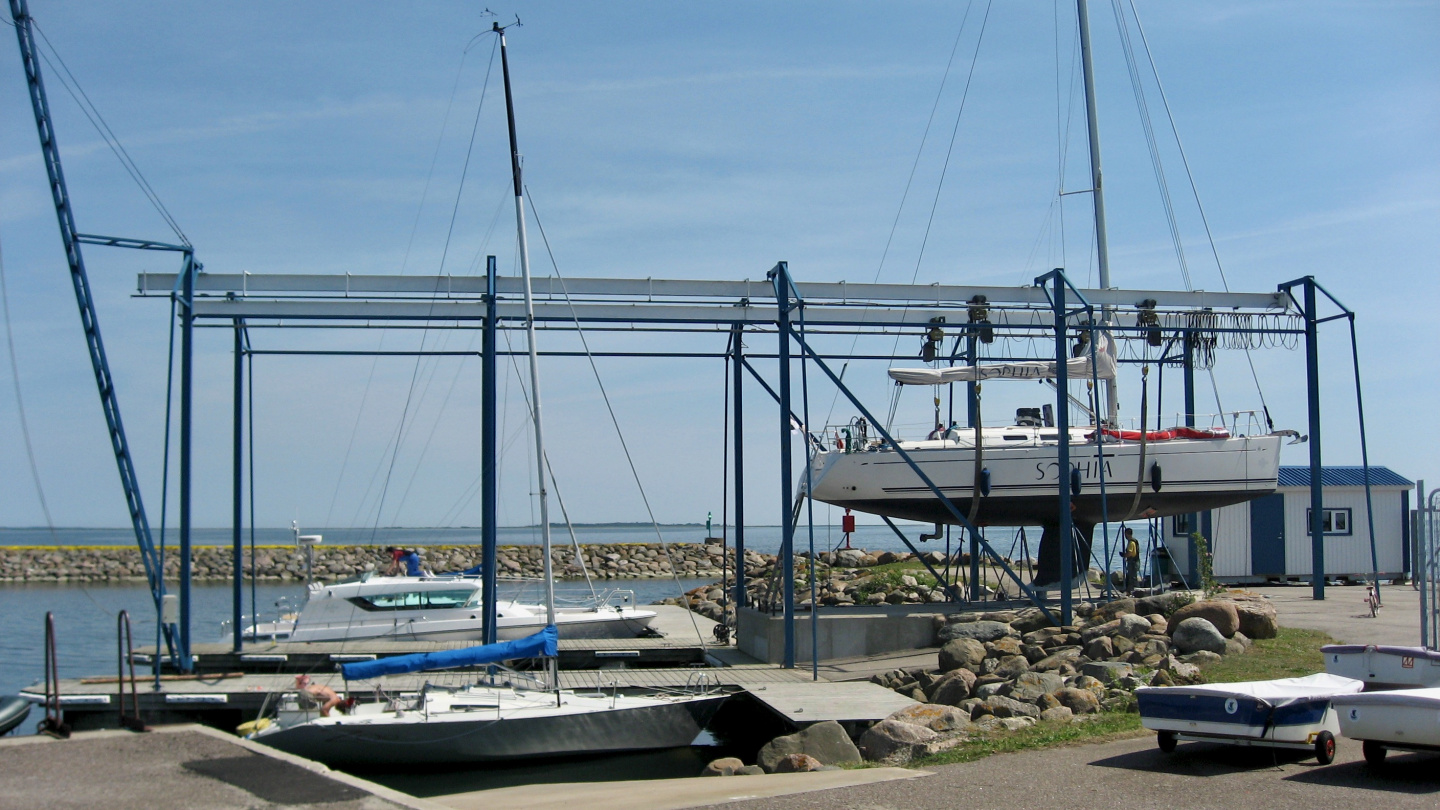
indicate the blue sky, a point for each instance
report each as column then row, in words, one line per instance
column 690, row 141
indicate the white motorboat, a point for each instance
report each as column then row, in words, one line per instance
column 1293, row 713
column 439, row 608
column 1383, row 666
column 1405, row 719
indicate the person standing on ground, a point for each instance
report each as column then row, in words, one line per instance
column 1131, row 555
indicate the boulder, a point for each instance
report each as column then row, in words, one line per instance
column 1220, row 613
column 1057, row 659
column 750, row 770
column 1057, row 714
column 1196, row 633
column 1033, row 653
column 1178, row 672
column 798, row 763
column 1046, row 682
column 1079, row 701
column 1047, row 702
column 1012, row 666
column 889, row 738
column 1133, row 626
column 1099, row 649
column 987, row 690
column 1041, row 637
column 1107, row 672
column 1120, row 645
column 934, row 717
column 979, row 630
column 1162, row 603
column 724, row 766
column 1093, row 632
column 1030, row 619
column 1089, row 684
column 1202, row 658
column 1233, row 647
column 1001, row 706
column 1257, row 618
column 961, row 652
column 953, row 688
column 826, row 742
column 1112, row 610
column 1001, row 647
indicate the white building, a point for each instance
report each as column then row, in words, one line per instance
column 1268, row 539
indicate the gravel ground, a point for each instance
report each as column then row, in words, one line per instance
column 1135, row 774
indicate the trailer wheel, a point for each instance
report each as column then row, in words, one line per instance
column 1374, row 753
column 1325, row 748
column 1166, row 740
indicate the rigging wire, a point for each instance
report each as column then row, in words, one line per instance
column 1195, row 192
column 20, row 402
column 614, row 420
column 1132, row 67
column 909, row 181
column 950, row 150
column 92, row 114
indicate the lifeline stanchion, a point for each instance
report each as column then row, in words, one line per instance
column 125, row 652
column 53, row 724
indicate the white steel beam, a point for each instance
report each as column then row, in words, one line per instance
column 655, row 290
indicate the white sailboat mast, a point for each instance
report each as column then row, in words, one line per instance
column 529, row 337
column 1092, row 119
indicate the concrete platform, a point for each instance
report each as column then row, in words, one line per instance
column 177, row 766
column 669, row 794
column 1344, row 615
column 815, row 702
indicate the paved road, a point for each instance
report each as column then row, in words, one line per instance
column 1134, row 774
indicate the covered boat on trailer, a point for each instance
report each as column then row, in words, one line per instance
column 1384, row 667
column 1406, row 719
column 1294, row 713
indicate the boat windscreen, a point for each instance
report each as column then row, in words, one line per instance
column 418, row 600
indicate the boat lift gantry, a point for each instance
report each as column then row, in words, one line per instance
column 791, row 312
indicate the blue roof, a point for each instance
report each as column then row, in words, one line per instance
column 1343, row 477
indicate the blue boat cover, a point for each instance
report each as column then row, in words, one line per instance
column 542, row 644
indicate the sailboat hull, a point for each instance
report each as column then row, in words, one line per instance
column 1193, row 476
column 483, row 738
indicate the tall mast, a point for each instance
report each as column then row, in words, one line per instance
column 1097, row 195
column 529, row 334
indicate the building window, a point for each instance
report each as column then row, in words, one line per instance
column 1332, row 521
column 1180, row 526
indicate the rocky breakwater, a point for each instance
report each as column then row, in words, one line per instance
column 334, row 563
column 843, row 578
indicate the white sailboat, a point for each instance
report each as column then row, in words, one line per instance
column 490, row 721
column 1009, row 476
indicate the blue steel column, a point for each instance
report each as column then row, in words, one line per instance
column 238, row 468
column 187, row 357
column 1193, row 519
column 489, row 497
column 972, row 409
column 1317, row 498
column 738, row 431
column 1062, row 427
column 787, row 527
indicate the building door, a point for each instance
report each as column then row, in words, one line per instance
column 1267, row 536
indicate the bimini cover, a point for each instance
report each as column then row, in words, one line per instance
column 1077, row 369
column 542, row 644
column 1279, row 692
column 1428, row 698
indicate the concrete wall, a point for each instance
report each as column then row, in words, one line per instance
column 843, row 633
